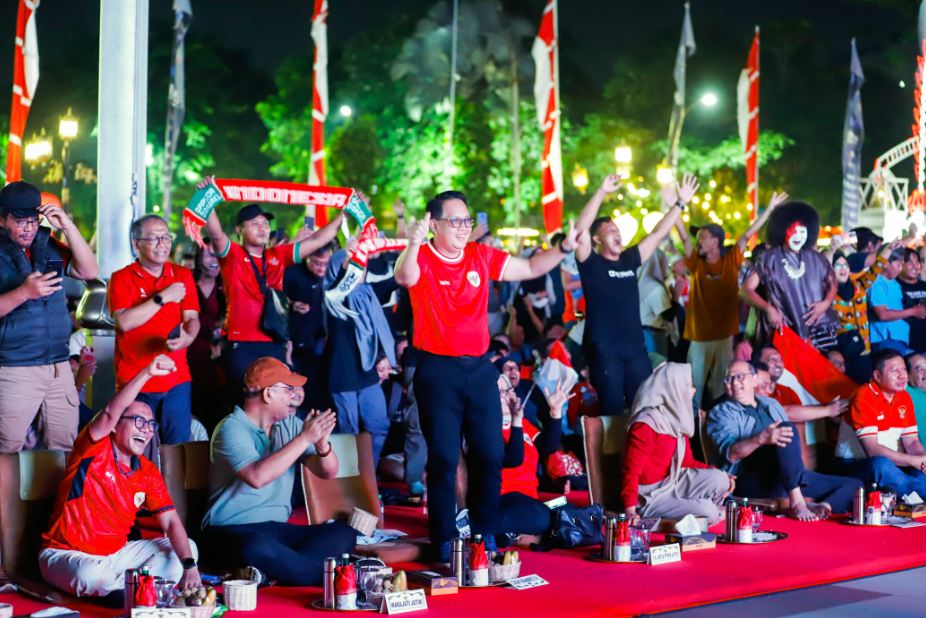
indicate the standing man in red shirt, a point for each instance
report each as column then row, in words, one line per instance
column 241, row 265
column 156, row 309
column 107, row 481
column 455, row 384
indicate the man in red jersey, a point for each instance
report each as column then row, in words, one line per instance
column 455, row 384
column 107, row 482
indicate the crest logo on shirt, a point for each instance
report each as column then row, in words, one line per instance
column 139, row 499
column 272, row 261
column 473, row 278
column 902, row 412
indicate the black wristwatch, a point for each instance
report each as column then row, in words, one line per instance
column 188, row 563
column 158, row 300
column 680, row 206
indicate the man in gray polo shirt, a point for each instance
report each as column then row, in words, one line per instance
column 254, row 454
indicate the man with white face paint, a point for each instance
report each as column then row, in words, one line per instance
column 799, row 282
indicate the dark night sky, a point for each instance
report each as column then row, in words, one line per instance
column 593, row 33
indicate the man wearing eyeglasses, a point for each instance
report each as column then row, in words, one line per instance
column 455, row 384
column 35, row 378
column 751, row 437
column 156, row 309
column 107, row 482
column 255, row 453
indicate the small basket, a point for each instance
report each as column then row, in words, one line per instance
column 363, row 522
column 201, row 611
column 503, row 572
column 240, row 594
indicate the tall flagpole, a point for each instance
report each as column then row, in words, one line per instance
column 747, row 94
column 546, row 96
column 25, row 80
column 454, row 31
column 176, row 99
column 319, row 104
column 686, row 48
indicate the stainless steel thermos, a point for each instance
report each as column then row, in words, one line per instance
column 456, row 560
column 610, row 537
column 131, row 585
column 858, row 506
column 328, row 582
column 731, row 519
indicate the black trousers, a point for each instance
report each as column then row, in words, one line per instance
column 240, row 356
column 458, row 398
column 521, row 514
column 617, row 374
column 290, row 554
column 773, row 471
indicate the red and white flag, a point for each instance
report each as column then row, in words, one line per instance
column 546, row 95
column 747, row 118
column 319, row 102
column 25, row 79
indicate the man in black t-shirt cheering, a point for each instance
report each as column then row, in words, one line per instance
column 613, row 339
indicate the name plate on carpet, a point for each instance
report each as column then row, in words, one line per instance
column 161, row 612
column 527, row 581
column 404, row 602
column 664, row 554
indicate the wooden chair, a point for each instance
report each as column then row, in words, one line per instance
column 353, row 486
column 28, row 489
column 185, row 468
column 605, row 438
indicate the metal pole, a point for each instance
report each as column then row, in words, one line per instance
column 65, row 190
column 453, row 87
column 122, row 128
column 516, row 145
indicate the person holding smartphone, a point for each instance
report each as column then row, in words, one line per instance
column 35, row 377
column 156, row 309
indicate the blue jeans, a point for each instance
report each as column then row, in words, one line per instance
column 884, row 472
column 364, row 410
column 171, row 410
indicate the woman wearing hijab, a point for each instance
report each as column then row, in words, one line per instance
column 356, row 338
column 660, row 477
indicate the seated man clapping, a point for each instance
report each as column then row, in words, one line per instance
column 107, row 482
column 752, row 438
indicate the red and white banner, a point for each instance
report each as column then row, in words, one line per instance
column 25, row 79
column 546, row 95
column 319, row 102
column 747, row 118
column 815, row 378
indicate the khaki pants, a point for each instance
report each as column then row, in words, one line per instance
column 698, row 492
column 709, row 361
column 46, row 391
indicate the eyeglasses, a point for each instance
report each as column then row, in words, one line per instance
column 141, row 422
column 458, row 222
column 840, row 267
column 158, row 240
column 291, row 389
column 27, row 223
column 739, row 378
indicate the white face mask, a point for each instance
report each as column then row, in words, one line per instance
column 798, row 238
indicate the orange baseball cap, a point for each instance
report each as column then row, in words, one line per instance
column 268, row 371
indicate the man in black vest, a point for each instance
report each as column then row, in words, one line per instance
column 35, row 377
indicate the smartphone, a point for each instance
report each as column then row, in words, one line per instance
column 175, row 333
column 309, row 222
column 482, row 218
column 852, row 238
column 56, row 266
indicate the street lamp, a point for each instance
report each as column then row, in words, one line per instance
column 580, row 178
column 38, row 150
column 623, row 156
column 708, row 99
column 346, row 111
column 67, row 131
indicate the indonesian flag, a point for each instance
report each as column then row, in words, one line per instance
column 319, row 102
column 25, row 80
column 808, row 372
column 546, row 95
column 747, row 117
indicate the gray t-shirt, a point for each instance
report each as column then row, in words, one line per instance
column 239, row 442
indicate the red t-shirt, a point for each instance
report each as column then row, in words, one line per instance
column 649, row 456
column 244, row 302
column 872, row 415
column 522, row 479
column 450, row 301
column 98, row 499
column 135, row 349
column 786, row 396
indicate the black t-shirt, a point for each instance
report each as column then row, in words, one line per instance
column 346, row 372
column 612, row 300
column 914, row 294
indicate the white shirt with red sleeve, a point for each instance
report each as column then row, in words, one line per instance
column 872, row 414
column 451, row 298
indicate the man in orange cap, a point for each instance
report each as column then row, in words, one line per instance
column 254, row 454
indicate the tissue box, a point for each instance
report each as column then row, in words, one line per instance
column 694, row 542
column 433, row 583
column 905, row 510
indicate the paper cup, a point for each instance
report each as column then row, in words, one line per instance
column 363, row 522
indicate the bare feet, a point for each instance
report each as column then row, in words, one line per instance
column 801, row 512
column 821, row 509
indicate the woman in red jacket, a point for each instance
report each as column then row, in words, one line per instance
column 660, row 477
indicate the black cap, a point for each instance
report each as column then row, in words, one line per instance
column 249, row 212
column 20, row 199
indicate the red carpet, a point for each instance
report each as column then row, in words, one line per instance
column 813, row 554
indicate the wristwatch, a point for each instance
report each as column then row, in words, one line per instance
column 158, row 300
column 680, row 206
column 188, row 563
column 326, row 453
